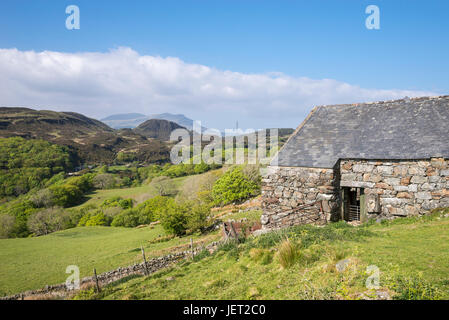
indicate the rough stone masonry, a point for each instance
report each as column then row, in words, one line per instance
column 394, row 153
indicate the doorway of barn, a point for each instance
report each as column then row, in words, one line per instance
column 353, row 204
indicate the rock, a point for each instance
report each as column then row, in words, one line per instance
column 342, row 265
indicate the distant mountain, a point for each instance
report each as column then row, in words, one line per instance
column 133, row 120
column 157, row 129
column 180, row 119
column 91, row 140
column 125, row 120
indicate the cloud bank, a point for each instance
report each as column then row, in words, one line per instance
column 121, row 81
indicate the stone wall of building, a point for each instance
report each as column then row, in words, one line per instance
column 400, row 188
column 313, row 190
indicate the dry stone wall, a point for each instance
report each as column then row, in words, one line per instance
column 153, row 265
column 286, row 188
column 400, row 188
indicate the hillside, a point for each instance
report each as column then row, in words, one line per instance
column 90, row 139
column 157, row 129
column 412, row 255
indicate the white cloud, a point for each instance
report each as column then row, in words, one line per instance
column 121, row 81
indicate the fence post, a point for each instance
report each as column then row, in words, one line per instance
column 145, row 269
column 96, row 281
column 191, row 246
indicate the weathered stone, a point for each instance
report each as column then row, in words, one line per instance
column 404, row 195
column 385, row 170
column 419, row 179
column 383, row 186
column 423, row 195
column 357, row 184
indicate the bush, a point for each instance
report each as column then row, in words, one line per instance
column 152, row 208
column 95, row 218
column 198, row 217
column 85, row 182
column 288, row 253
column 414, row 289
column 174, row 218
column 42, row 199
column 47, row 221
column 129, row 218
column 163, row 185
column 117, row 202
column 7, row 223
column 104, row 181
column 233, row 186
column 66, row 195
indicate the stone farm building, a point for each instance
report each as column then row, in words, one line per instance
column 359, row 161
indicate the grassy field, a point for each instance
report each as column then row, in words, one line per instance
column 412, row 256
column 139, row 194
column 32, row 263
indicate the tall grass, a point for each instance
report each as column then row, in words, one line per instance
column 288, row 253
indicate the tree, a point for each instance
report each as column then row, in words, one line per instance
column 66, row 195
column 174, row 218
column 104, row 181
column 163, row 185
column 42, row 199
column 233, row 186
column 47, row 221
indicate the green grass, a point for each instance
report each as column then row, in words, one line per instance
column 32, row 263
column 139, row 194
column 412, row 255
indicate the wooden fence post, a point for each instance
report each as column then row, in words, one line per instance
column 191, row 246
column 145, row 269
column 96, row 280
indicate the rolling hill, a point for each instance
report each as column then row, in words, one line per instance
column 157, row 129
column 91, row 140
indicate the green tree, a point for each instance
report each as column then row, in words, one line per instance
column 233, row 186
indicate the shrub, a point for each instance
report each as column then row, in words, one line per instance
column 129, row 218
column 47, row 221
column 151, row 208
column 117, row 202
column 233, row 186
column 85, row 182
column 7, row 223
column 96, row 218
column 414, row 289
column 163, row 185
column 198, row 217
column 104, row 181
column 288, row 253
column 66, row 195
column 174, row 218
column 42, row 198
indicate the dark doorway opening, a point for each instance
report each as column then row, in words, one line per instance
column 352, row 204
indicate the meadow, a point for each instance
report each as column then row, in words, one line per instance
column 412, row 256
column 32, row 263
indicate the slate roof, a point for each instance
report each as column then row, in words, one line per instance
column 415, row 128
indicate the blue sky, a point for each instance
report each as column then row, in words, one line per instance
column 313, row 39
